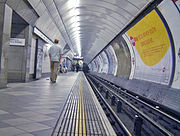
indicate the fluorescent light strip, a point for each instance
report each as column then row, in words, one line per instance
column 75, row 22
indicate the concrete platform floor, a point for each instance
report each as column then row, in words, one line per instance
column 32, row 109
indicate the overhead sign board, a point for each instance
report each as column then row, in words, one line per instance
column 41, row 35
column 17, row 42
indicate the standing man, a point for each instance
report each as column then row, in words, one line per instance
column 55, row 54
column 64, row 66
column 77, row 66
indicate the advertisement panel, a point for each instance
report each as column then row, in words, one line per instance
column 105, row 62
column 152, row 48
column 46, row 62
column 101, row 63
column 39, row 61
column 120, row 48
column 109, row 61
column 95, row 69
column 114, row 62
column 93, row 66
column 172, row 17
column 32, row 57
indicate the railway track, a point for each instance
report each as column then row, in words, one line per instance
column 151, row 118
column 116, row 123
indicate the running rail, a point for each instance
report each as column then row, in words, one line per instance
column 141, row 101
column 124, row 129
column 162, row 129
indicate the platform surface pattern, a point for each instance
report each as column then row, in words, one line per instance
column 32, row 109
column 82, row 114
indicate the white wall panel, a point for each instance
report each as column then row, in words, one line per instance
column 46, row 59
column 172, row 16
column 132, row 55
column 105, row 63
column 32, row 57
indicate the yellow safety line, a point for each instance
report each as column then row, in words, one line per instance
column 77, row 121
column 80, row 127
column 80, row 121
column 84, row 122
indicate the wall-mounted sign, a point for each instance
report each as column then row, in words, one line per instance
column 17, row 42
column 41, row 35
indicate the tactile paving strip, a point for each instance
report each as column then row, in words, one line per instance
column 80, row 116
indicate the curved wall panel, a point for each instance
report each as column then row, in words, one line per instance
column 172, row 17
column 123, row 56
column 112, row 60
column 105, row 62
column 131, row 58
column 91, row 66
column 153, row 49
column 109, row 62
column 100, row 64
column 95, row 66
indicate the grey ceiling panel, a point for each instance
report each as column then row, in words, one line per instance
column 24, row 10
column 40, row 8
column 46, row 22
column 13, row 3
column 87, row 26
column 69, row 54
column 34, row 3
column 139, row 3
column 47, row 26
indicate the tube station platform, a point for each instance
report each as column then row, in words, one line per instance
column 39, row 108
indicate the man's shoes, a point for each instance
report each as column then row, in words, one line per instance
column 53, row 81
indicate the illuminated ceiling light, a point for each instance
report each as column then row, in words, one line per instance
column 74, row 12
column 78, row 44
column 73, row 3
column 73, row 29
column 75, row 24
column 76, row 37
column 76, row 32
column 75, row 20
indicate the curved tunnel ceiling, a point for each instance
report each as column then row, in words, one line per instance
column 87, row 26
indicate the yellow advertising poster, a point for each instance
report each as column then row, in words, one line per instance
column 150, row 38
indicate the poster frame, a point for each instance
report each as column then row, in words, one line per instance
column 171, row 42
